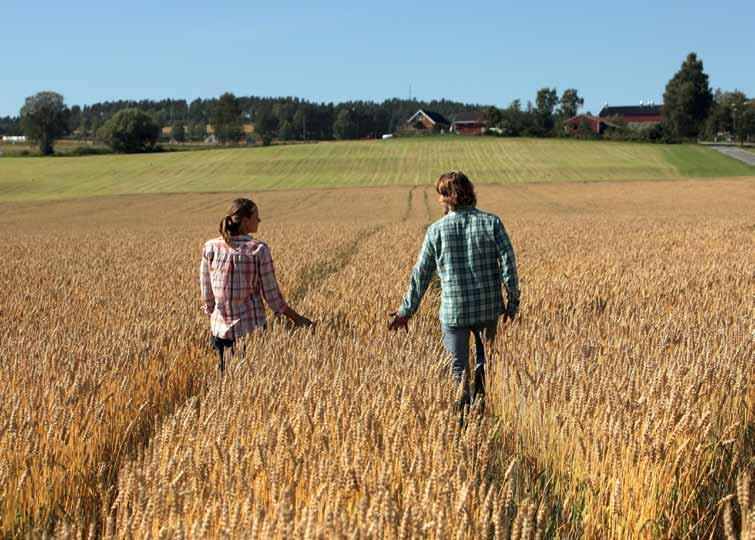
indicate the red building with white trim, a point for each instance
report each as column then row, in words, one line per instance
column 635, row 116
column 469, row 123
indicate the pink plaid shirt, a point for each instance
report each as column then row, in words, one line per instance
column 233, row 280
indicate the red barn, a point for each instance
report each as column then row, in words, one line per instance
column 469, row 123
column 635, row 116
column 596, row 125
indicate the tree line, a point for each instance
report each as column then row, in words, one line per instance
column 690, row 111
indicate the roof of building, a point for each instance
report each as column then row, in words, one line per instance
column 579, row 118
column 435, row 118
column 632, row 110
column 586, row 116
column 470, row 116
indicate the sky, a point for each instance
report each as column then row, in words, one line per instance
column 487, row 52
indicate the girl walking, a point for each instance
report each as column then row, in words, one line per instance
column 236, row 273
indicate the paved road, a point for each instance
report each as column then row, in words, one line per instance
column 737, row 153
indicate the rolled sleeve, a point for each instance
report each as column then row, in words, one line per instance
column 205, row 282
column 421, row 276
column 507, row 262
column 268, row 283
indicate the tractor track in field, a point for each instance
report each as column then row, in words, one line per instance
column 316, row 272
column 409, row 202
column 147, row 426
column 428, row 212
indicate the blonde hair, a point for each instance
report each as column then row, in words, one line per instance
column 240, row 209
column 456, row 189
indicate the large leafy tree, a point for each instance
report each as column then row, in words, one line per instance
column 44, row 119
column 545, row 103
column 197, row 131
column 265, row 125
column 744, row 122
column 687, row 99
column 178, row 132
column 345, row 125
column 226, row 119
column 570, row 103
column 131, row 130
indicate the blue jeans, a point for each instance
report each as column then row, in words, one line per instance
column 456, row 342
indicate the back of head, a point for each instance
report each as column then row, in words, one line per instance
column 230, row 224
column 455, row 190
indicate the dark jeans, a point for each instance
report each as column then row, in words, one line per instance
column 456, row 342
column 220, row 345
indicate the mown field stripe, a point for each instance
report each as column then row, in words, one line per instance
column 358, row 163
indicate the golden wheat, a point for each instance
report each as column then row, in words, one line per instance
column 621, row 402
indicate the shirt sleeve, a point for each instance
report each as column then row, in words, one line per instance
column 205, row 282
column 421, row 275
column 269, row 284
column 507, row 262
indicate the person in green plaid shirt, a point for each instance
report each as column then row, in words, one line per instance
column 473, row 256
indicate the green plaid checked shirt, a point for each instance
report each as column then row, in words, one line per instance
column 473, row 255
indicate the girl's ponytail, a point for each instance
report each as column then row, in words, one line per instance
column 227, row 229
column 229, row 225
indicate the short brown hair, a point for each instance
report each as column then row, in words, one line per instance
column 456, row 189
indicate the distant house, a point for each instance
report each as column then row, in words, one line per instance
column 635, row 116
column 427, row 122
column 469, row 123
column 596, row 124
column 13, row 139
column 247, row 127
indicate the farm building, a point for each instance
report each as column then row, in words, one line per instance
column 635, row 116
column 469, row 123
column 427, row 122
column 14, row 139
column 596, row 124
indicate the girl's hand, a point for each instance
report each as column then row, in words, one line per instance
column 302, row 321
column 398, row 322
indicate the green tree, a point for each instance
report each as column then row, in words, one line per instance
column 300, row 122
column 687, row 99
column 44, row 119
column 265, row 125
column 744, row 121
column 130, row 130
column 197, row 131
column 492, row 116
column 178, row 132
column 345, row 126
column 570, row 103
column 226, row 119
column 545, row 103
column 84, row 127
column 287, row 131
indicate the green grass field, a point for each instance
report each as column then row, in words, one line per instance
column 357, row 163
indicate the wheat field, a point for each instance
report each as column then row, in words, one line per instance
column 621, row 401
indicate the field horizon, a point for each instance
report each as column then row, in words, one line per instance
column 402, row 162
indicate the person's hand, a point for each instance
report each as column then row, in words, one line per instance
column 302, row 322
column 398, row 322
column 508, row 317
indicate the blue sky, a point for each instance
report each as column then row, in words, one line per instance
column 476, row 51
